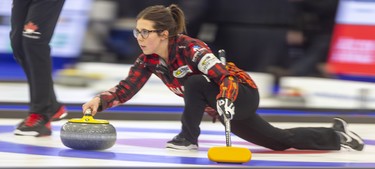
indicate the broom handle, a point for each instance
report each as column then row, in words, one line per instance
column 222, row 56
column 226, row 120
column 227, row 131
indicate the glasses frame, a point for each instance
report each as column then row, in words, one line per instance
column 144, row 32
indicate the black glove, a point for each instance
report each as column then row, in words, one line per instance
column 225, row 107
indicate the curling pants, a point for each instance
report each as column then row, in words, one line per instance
column 247, row 124
column 32, row 26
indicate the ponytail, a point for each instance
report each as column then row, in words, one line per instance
column 179, row 18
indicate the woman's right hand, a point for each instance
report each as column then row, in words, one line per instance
column 93, row 104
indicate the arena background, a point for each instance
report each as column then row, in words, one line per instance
column 312, row 60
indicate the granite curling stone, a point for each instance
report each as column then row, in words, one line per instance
column 88, row 133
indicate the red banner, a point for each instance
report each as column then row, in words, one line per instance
column 353, row 50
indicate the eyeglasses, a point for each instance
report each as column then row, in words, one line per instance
column 144, row 33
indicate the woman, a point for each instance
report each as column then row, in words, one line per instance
column 188, row 68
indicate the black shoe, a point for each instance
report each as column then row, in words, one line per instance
column 349, row 140
column 180, row 143
column 34, row 125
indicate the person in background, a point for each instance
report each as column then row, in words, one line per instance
column 32, row 27
column 190, row 69
column 253, row 32
column 314, row 21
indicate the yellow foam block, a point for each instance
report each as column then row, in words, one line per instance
column 229, row 154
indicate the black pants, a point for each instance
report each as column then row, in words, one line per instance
column 33, row 23
column 247, row 124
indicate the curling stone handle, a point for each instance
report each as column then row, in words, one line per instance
column 88, row 112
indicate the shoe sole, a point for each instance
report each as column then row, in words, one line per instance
column 175, row 147
column 30, row 133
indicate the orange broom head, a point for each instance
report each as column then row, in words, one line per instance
column 229, row 154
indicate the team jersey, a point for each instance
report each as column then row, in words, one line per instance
column 187, row 57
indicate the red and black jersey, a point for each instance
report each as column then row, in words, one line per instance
column 187, row 56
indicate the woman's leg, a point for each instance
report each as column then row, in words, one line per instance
column 197, row 89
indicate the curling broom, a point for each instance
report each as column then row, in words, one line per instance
column 228, row 154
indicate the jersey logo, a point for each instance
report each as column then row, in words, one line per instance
column 207, row 61
column 139, row 61
column 198, row 53
column 196, row 47
column 182, row 71
column 29, row 30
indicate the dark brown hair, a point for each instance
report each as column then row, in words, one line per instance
column 170, row 18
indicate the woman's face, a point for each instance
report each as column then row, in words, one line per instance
column 151, row 43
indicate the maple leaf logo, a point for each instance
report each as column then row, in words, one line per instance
column 30, row 27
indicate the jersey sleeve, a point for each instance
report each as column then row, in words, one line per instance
column 206, row 62
column 138, row 75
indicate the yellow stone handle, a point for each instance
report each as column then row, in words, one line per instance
column 88, row 118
